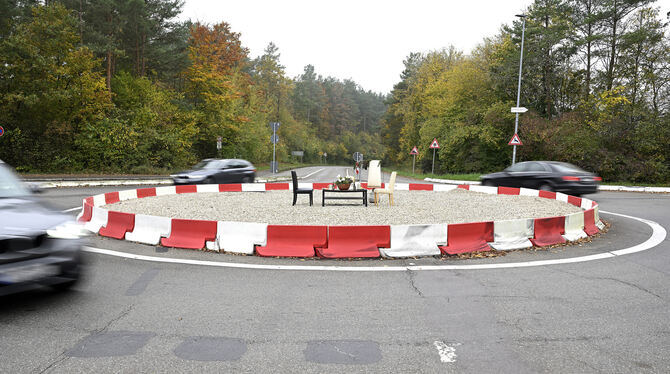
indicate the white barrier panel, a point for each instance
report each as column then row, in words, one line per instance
column 402, row 186
column 99, row 200
column 485, row 189
column 166, row 190
column 444, row 187
column 415, row 240
column 596, row 217
column 586, row 204
column 512, row 234
column 82, row 210
column 240, row 237
column 98, row 219
column 150, row 229
column 561, row 197
column 253, row 187
column 207, row 188
column 528, row 192
column 127, row 195
column 300, row 185
column 574, row 227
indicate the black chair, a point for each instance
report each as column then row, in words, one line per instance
column 297, row 190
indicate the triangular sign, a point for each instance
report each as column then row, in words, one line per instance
column 414, row 151
column 434, row 144
column 515, row 140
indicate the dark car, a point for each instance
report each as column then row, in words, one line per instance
column 212, row 170
column 38, row 245
column 545, row 175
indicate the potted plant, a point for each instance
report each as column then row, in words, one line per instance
column 343, row 183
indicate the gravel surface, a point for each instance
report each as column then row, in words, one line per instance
column 411, row 207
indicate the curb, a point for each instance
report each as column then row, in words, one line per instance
column 601, row 187
column 115, row 182
column 392, row 241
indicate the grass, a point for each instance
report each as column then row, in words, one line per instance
column 409, row 174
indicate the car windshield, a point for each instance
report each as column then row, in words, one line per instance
column 564, row 167
column 207, row 164
column 10, row 185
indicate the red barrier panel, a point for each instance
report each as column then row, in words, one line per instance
column 146, row 192
column 355, row 241
column 293, row 241
column 549, row 231
column 468, row 237
column 191, row 188
column 320, row 186
column 230, row 187
column 111, row 197
column 190, row 233
column 464, row 186
column 420, row 187
column 276, row 186
column 88, row 211
column 590, row 227
column 118, row 223
column 508, row 190
column 89, row 200
column 574, row 200
column 547, row 194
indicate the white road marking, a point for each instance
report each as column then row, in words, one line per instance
column 71, row 209
column 447, row 353
column 657, row 237
column 310, row 174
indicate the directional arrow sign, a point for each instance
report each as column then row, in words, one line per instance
column 274, row 138
column 519, row 109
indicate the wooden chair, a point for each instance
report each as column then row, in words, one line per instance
column 297, row 190
column 390, row 187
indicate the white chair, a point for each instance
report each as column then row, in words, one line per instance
column 390, row 187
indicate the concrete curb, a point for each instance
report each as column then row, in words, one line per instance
column 601, row 187
column 116, row 182
column 335, row 241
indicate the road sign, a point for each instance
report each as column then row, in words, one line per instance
column 218, row 142
column 298, row 153
column 434, row 144
column 274, row 125
column 414, row 151
column 274, row 138
column 515, row 140
column 519, row 109
column 2, row 131
column 358, row 157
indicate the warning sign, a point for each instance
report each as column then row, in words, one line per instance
column 414, row 151
column 434, row 144
column 515, row 140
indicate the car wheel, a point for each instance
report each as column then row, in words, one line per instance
column 209, row 180
column 488, row 183
column 546, row 187
column 247, row 180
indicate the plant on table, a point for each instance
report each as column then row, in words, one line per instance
column 343, row 183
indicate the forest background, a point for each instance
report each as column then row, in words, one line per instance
column 123, row 86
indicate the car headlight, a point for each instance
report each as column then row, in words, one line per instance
column 67, row 230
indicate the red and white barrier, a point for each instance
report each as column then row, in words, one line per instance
column 337, row 241
column 415, row 240
column 240, row 237
column 512, row 234
column 574, row 227
column 150, row 229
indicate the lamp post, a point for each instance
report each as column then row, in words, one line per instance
column 518, row 90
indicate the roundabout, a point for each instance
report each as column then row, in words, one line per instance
column 563, row 219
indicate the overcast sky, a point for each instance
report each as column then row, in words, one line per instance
column 364, row 40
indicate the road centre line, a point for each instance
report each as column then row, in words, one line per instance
column 657, row 237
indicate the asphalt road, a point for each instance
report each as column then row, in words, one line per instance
column 607, row 315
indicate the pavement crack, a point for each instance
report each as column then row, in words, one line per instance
column 115, row 319
column 614, row 280
column 60, row 358
column 410, row 277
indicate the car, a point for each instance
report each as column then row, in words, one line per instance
column 545, row 175
column 211, row 171
column 38, row 245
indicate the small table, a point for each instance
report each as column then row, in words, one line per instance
column 340, row 195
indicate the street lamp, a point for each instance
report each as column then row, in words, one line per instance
column 518, row 90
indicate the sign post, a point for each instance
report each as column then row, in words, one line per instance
column 275, row 140
column 413, row 152
column 434, row 145
column 358, row 158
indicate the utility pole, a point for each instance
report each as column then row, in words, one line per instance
column 518, row 90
